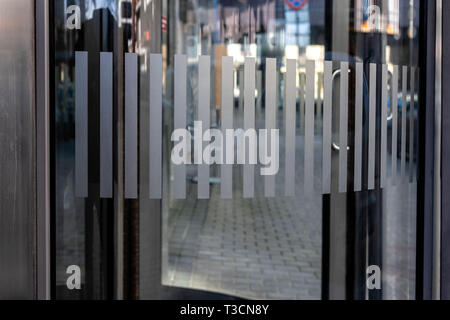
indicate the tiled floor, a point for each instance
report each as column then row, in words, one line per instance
column 399, row 242
column 257, row 248
column 271, row 248
column 252, row 248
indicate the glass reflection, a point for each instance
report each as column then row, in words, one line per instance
column 83, row 227
column 272, row 248
column 306, row 247
column 254, row 248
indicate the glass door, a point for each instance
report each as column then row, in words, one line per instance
column 89, row 41
column 339, row 81
column 259, row 149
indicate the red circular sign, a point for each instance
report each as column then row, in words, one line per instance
column 296, row 4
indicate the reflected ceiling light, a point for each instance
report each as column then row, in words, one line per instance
column 253, row 50
column 315, row 52
column 291, row 52
column 235, row 50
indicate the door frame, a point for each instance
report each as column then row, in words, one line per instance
column 426, row 259
column 43, row 141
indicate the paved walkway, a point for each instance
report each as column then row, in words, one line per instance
column 261, row 248
column 270, row 248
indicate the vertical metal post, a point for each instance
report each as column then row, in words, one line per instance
column 437, row 157
column 42, row 150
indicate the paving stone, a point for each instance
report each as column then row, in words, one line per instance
column 268, row 247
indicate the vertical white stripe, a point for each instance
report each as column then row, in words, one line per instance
column 271, row 110
column 131, row 126
column 384, row 99
column 319, row 107
column 204, row 106
column 106, row 125
column 249, row 123
column 180, row 105
column 155, row 115
column 81, row 124
column 404, row 112
column 309, row 128
column 372, row 125
column 343, row 128
column 226, row 176
column 359, row 85
column 411, row 125
column 290, row 125
column 394, row 108
column 327, row 115
column 302, row 98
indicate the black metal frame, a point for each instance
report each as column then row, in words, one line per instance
column 51, row 26
column 42, row 155
column 425, row 198
column 424, row 243
column 106, row 218
column 445, row 173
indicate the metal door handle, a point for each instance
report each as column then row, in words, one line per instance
column 334, row 145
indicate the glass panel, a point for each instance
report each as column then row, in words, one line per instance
column 262, row 247
column 83, row 214
column 336, row 80
column 271, row 247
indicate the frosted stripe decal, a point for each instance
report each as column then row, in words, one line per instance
column 416, row 133
column 309, row 127
column 81, row 124
column 411, row 125
column 403, row 146
column 204, row 102
column 290, row 122
column 240, row 72
column 384, row 99
column 394, row 108
column 358, row 126
column 259, row 88
column 155, row 115
column 180, row 103
column 131, row 125
column 302, row 98
column 326, row 151
column 343, row 128
column 226, row 190
column 372, row 125
column 319, row 101
column 249, row 123
column 271, row 70
column 106, row 124
column 252, row 108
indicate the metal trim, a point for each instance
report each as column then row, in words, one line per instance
column 42, row 151
column 343, row 128
column 437, row 158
